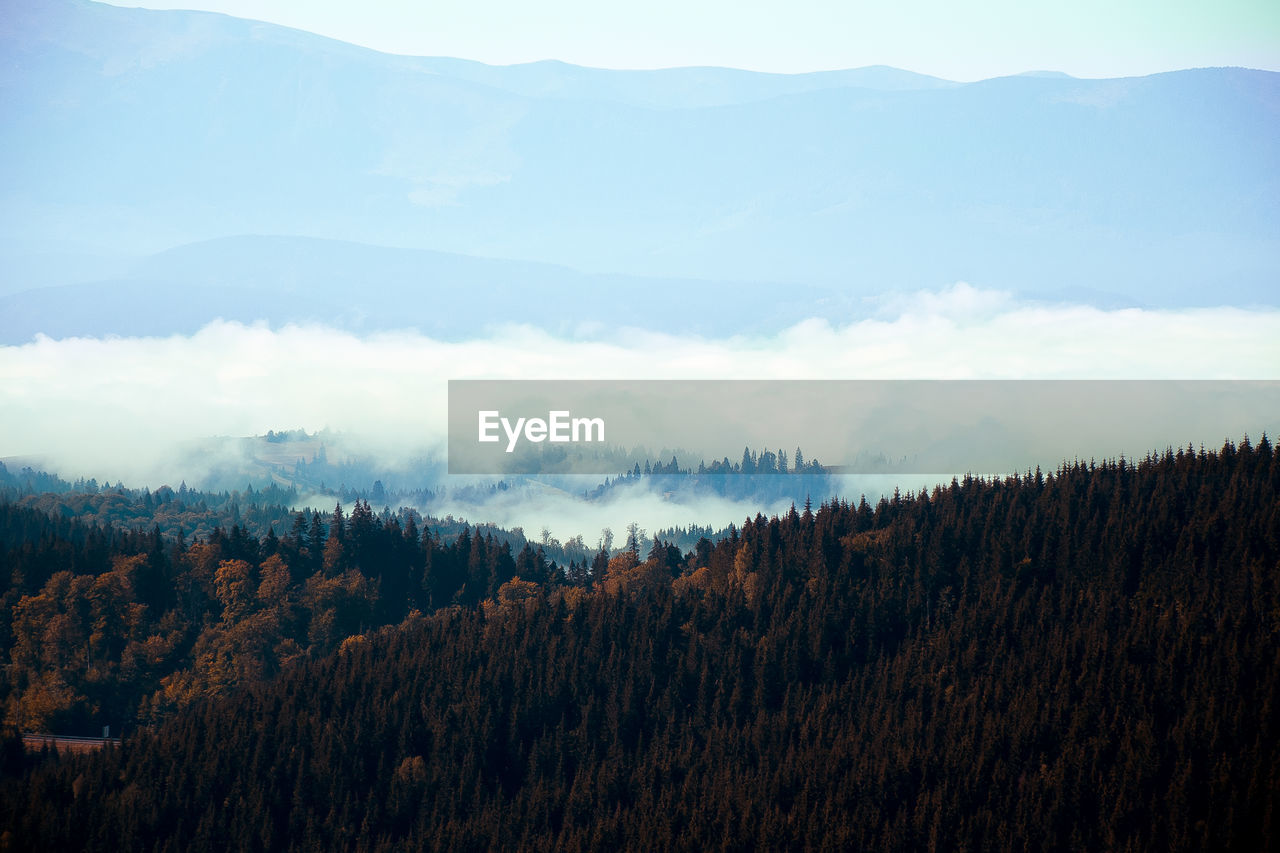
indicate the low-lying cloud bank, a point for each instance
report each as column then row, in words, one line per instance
column 123, row 408
column 565, row 515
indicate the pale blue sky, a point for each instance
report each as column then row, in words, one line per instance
column 959, row 41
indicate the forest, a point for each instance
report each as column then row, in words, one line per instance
column 1086, row 658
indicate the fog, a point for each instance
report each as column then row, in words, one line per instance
column 129, row 409
column 565, row 515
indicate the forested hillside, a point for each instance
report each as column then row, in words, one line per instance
column 108, row 627
column 1081, row 660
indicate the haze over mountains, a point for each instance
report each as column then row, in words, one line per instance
column 367, row 288
column 145, row 150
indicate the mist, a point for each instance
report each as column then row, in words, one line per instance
column 130, row 409
column 565, row 515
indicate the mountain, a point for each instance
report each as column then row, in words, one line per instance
column 130, row 132
column 366, row 288
column 1085, row 659
column 671, row 88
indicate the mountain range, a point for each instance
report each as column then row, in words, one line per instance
column 165, row 168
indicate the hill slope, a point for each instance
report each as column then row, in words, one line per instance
column 1087, row 660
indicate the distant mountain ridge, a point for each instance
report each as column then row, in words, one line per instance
column 672, row 88
column 129, row 131
column 365, row 288
column 280, row 280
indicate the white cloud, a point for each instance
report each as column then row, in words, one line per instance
column 119, row 407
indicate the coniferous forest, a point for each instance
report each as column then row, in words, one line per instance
column 1087, row 659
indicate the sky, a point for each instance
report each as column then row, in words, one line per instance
column 953, row 40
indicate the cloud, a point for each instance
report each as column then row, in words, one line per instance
column 123, row 407
column 565, row 515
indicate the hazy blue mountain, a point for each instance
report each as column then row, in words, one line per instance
column 372, row 288
column 128, row 132
column 670, row 88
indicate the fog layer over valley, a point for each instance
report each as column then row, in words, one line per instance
column 122, row 407
column 150, row 411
